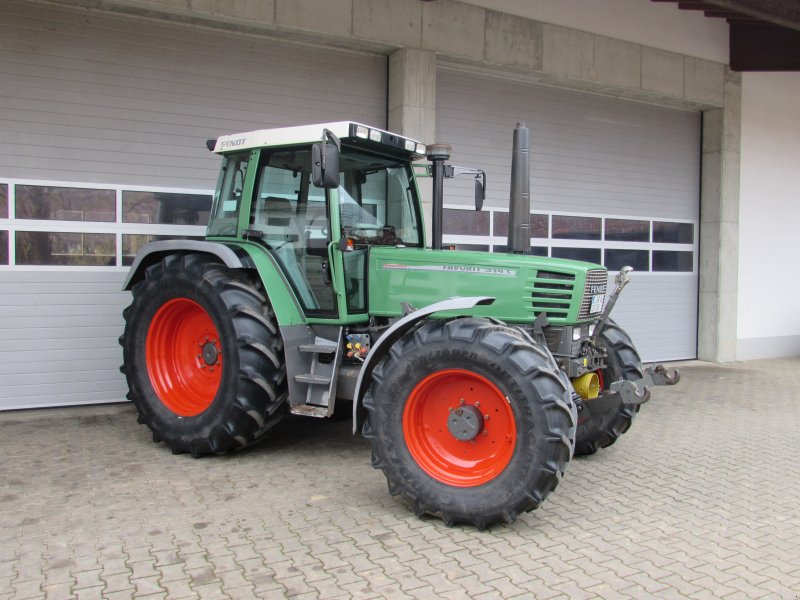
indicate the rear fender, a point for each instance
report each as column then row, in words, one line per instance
column 154, row 251
column 394, row 333
column 237, row 256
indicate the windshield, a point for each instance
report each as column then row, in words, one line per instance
column 377, row 201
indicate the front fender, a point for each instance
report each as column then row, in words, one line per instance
column 398, row 330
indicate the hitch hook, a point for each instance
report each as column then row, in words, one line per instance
column 661, row 375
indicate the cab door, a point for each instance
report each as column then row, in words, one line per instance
column 291, row 218
column 376, row 205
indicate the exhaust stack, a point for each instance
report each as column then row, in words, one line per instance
column 519, row 209
column 438, row 154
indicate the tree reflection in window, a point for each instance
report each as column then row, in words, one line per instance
column 58, row 248
column 3, row 201
column 65, row 204
column 165, row 208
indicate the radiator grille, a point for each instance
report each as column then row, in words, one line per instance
column 552, row 293
column 596, row 283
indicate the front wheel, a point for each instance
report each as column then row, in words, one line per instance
column 600, row 429
column 469, row 421
column 203, row 356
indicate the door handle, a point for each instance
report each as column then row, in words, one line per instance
column 326, row 272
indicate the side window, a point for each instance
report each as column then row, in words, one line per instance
column 228, row 197
column 275, row 209
column 401, row 209
column 385, row 214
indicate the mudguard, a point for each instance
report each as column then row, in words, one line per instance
column 153, row 251
column 398, row 330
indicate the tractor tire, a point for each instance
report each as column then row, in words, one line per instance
column 506, row 449
column 203, row 356
column 600, row 429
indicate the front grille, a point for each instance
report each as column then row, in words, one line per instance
column 596, row 283
column 552, row 293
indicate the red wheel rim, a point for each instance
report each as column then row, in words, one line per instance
column 436, row 450
column 184, row 357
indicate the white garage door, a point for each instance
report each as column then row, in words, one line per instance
column 103, row 121
column 613, row 182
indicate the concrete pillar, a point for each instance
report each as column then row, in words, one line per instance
column 412, row 106
column 719, row 225
column 412, row 94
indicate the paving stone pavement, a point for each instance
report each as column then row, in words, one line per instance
column 700, row 499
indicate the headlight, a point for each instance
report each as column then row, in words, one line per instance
column 591, row 329
column 576, row 334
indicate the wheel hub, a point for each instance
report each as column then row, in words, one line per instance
column 465, row 423
column 210, row 353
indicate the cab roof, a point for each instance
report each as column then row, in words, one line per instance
column 347, row 131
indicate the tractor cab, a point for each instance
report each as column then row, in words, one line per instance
column 317, row 206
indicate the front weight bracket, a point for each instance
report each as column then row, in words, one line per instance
column 632, row 392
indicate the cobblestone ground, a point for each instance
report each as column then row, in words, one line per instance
column 699, row 500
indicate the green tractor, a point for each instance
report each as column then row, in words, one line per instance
column 475, row 376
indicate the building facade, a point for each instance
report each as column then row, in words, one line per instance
column 646, row 150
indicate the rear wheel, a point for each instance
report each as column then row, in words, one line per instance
column 600, row 429
column 469, row 421
column 203, row 356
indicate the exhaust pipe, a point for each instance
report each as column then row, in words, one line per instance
column 438, row 154
column 519, row 209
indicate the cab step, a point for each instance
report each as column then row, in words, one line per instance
column 310, row 411
column 318, row 348
column 313, row 359
column 313, row 379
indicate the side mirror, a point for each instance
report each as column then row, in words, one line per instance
column 325, row 161
column 480, row 191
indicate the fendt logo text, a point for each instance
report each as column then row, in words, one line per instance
column 231, row 143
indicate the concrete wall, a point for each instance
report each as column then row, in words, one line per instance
column 769, row 255
column 658, row 25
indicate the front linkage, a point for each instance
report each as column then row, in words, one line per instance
column 629, row 392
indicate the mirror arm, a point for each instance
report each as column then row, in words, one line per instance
column 327, row 134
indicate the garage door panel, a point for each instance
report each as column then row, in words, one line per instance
column 86, row 369
column 658, row 316
column 33, row 361
column 149, row 75
column 60, row 394
column 122, row 102
column 582, row 135
column 591, row 156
